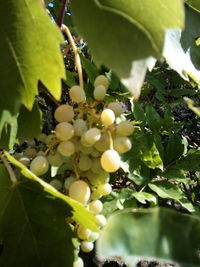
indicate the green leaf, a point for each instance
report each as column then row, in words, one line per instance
column 182, row 46
column 80, row 214
column 194, row 4
column 152, row 116
column 29, row 123
column 90, row 68
column 30, row 53
column 191, row 162
column 33, row 230
column 71, row 78
column 174, row 149
column 165, row 189
column 143, row 197
column 139, row 112
column 108, row 22
column 151, row 234
column 191, row 106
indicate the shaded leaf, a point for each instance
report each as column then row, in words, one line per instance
column 89, row 68
column 194, row 4
column 191, row 162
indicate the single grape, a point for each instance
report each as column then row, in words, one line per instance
column 101, row 80
column 116, row 108
column 64, row 131
column 30, row 152
column 78, row 263
column 122, row 144
column 87, row 246
column 96, row 166
column 85, row 163
column 84, row 143
column 92, row 135
column 93, row 236
column 56, row 184
column 104, row 189
column 107, row 117
column 80, row 191
column 80, row 127
column 99, row 92
column 55, row 159
column 101, row 220
column 25, row 161
column 39, row 165
column 41, row 153
column 96, row 206
column 85, row 150
column 83, row 233
column 49, row 138
column 66, row 148
column 95, row 195
column 68, row 181
column 125, row 128
column 95, row 153
column 42, row 137
column 64, row 113
column 103, row 177
column 77, row 94
column 110, row 160
column 103, row 143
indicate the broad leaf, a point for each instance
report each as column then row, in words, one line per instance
column 30, row 53
column 191, row 162
column 151, row 234
column 194, row 4
column 143, row 197
column 33, row 231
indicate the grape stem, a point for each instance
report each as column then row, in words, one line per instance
column 9, row 168
column 77, row 59
column 67, row 49
column 110, row 139
column 62, row 13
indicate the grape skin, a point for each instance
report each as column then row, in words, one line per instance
column 85, row 163
column 80, row 191
column 78, row 263
column 101, row 220
column 99, row 92
column 83, row 233
column 64, row 113
column 64, row 131
column 96, row 206
column 87, row 246
column 92, row 135
column 116, row 108
column 77, row 94
column 125, row 128
column 110, row 160
column 101, row 80
column 56, row 184
column 55, row 160
column 122, row 144
column 80, row 127
column 66, row 148
column 107, row 117
column 104, row 189
column 39, row 165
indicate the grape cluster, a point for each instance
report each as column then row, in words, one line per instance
column 89, row 134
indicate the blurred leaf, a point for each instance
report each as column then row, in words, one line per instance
column 71, row 78
column 194, row 4
column 191, row 162
column 152, row 116
column 174, row 149
column 151, row 234
column 191, row 106
column 139, row 112
column 182, row 92
column 90, row 68
column 143, row 197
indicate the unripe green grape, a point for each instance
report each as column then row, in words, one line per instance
column 95, row 195
column 68, row 181
column 64, row 113
column 30, row 152
column 101, row 220
column 64, row 131
column 80, row 191
column 99, row 92
column 101, row 80
column 25, row 161
column 103, row 177
column 103, row 143
column 39, row 165
column 80, row 127
column 104, row 189
column 41, row 153
column 116, row 108
column 85, row 163
column 110, row 160
column 83, row 232
column 95, row 206
column 92, row 135
column 107, row 117
column 49, row 138
column 122, row 144
column 85, row 150
column 77, row 94
column 125, row 128
column 78, row 263
column 56, row 184
column 93, row 236
column 84, row 143
column 96, row 166
column 87, row 246
column 56, row 159
column 66, row 148
column 95, row 153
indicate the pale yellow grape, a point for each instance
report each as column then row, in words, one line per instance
column 56, row 159
column 25, row 161
column 116, row 108
column 99, row 92
column 96, row 206
column 95, row 195
column 95, row 153
column 103, row 177
column 77, row 94
column 103, row 144
column 122, row 144
column 56, row 184
column 87, row 246
column 85, row 150
column 96, row 165
column 125, row 128
column 110, row 160
column 64, row 113
column 93, row 236
column 30, row 152
column 64, row 131
column 68, row 181
column 84, row 143
column 92, row 135
column 107, row 117
column 78, row 263
column 80, row 191
column 49, row 138
column 83, row 232
column 104, row 189
column 39, row 165
column 80, row 126
column 66, row 148
column 101, row 80
column 101, row 220
column 85, row 163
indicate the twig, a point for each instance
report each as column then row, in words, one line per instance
column 62, row 13
column 9, row 168
column 77, row 59
column 67, row 49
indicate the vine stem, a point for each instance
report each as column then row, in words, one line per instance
column 67, row 49
column 77, row 59
column 62, row 13
column 9, row 169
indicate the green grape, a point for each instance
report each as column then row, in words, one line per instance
column 66, row 148
column 64, row 131
column 99, row 92
column 83, row 233
column 101, row 80
column 103, row 143
column 95, row 153
column 77, row 94
column 87, row 246
column 95, row 195
column 42, row 137
column 93, row 236
column 84, row 143
column 122, row 144
column 96, row 206
column 107, row 117
column 96, row 166
column 92, row 135
column 25, row 161
column 110, row 160
column 68, row 181
column 85, row 150
column 49, row 138
column 80, row 191
column 64, row 113
column 104, row 189
column 101, row 220
column 78, row 263
column 56, row 184
column 125, row 128
column 30, row 152
column 39, row 165
column 116, row 108
column 85, row 163
column 55, row 159
column 80, row 127
column 103, row 177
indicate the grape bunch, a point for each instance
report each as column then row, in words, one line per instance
column 89, row 134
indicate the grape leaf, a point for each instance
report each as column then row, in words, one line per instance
column 30, row 52
column 194, row 4
column 33, row 231
column 151, row 234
